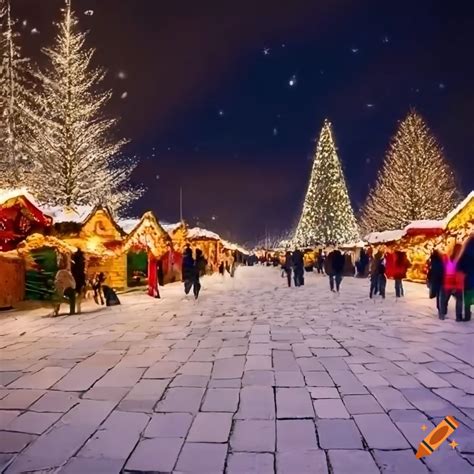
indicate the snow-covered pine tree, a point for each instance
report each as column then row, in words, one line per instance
column 327, row 216
column 15, row 92
column 79, row 159
column 415, row 182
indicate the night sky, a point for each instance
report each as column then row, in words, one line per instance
column 226, row 98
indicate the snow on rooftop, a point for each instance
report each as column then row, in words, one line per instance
column 385, row 236
column 7, row 194
column 198, row 233
column 426, row 224
column 458, row 208
column 170, row 228
column 128, row 224
column 60, row 214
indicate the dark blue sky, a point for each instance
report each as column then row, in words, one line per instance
column 207, row 109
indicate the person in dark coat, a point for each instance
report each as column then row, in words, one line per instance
column 349, row 268
column 298, row 267
column 320, row 262
column 466, row 265
column 188, row 269
column 374, row 273
column 335, row 269
column 453, row 283
column 379, row 280
column 362, row 264
column 199, row 270
column 78, row 271
column 288, row 266
column 435, row 276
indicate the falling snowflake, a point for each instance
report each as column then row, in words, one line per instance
column 124, row 95
column 369, row 106
column 221, row 113
column 34, row 31
column 89, row 12
column 441, row 85
column 275, row 132
column 386, row 39
column 122, row 75
column 355, row 50
column 292, row 81
column 157, row 176
column 24, row 23
column 266, row 51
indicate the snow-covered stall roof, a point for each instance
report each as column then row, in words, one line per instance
column 170, row 228
column 425, row 224
column 8, row 194
column 458, row 208
column 77, row 214
column 385, row 236
column 128, row 224
column 232, row 246
column 199, row 233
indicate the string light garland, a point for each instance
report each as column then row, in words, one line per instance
column 327, row 216
column 415, row 183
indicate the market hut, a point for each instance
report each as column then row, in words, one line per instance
column 12, row 279
column 20, row 216
column 208, row 242
column 145, row 245
column 95, row 231
column 41, row 255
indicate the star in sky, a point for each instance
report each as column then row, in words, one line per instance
column 453, row 444
column 221, row 113
column 292, row 81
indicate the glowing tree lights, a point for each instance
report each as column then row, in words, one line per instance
column 415, row 181
column 79, row 160
column 327, row 216
column 14, row 94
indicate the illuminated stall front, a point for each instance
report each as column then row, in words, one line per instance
column 208, row 242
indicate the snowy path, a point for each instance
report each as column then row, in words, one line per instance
column 255, row 377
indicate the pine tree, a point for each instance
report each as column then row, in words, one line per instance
column 80, row 161
column 415, row 182
column 327, row 216
column 15, row 95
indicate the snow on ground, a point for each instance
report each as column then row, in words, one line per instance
column 252, row 378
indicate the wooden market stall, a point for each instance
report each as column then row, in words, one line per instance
column 98, row 235
column 208, row 242
column 145, row 245
column 20, row 216
column 41, row 255
column 12, row 279
column 420, row 238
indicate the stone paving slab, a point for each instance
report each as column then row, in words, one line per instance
column 253, row 378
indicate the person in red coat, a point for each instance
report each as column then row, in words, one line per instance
column 401, row 264
column 453, row 284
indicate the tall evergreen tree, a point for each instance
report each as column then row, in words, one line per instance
column 415, row 182
column 79, row 159
column 15, row 92
column 327, row 215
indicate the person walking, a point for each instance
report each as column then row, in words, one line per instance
column 400, row 268
column 298, row 267
column 65, row 287
column 320, row 262
column 199, row 270
column 374, row 272
column 466, row 265
column 188, row 269
column 435, row 276
column 78, row 271
column 288, row 267
column 453, row 284
column 335, row 269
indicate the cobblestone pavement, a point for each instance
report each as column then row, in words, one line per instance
column 254, row 378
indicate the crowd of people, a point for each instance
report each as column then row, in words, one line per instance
column 450, row 274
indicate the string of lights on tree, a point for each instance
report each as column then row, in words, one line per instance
column 70, row 141
column 415, row 182
column 327, row 216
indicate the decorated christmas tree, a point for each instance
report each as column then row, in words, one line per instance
column 415, row 182
column 78, row 156
column 327, row 216
column 15, row 95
